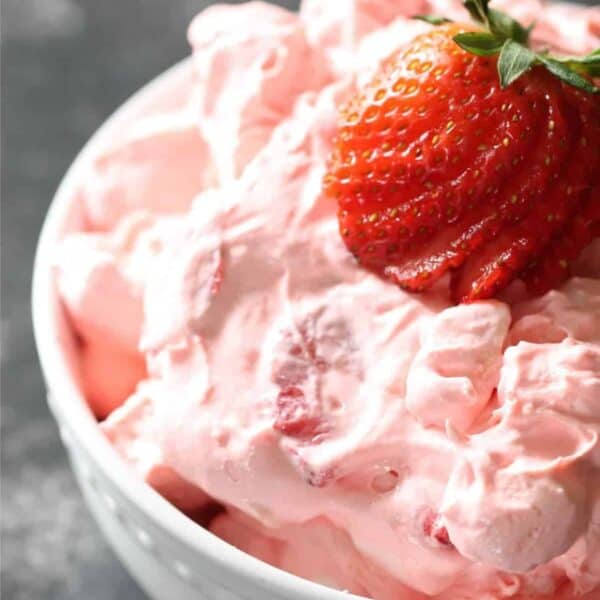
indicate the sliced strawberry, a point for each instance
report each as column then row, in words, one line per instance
column 526, row 242
column 552, row 269
column 437, row 168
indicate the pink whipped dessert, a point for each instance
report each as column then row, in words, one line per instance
column 389, row 444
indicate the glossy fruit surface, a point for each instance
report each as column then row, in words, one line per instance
column 436, row 168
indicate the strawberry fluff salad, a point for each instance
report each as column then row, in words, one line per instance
column 393, row 445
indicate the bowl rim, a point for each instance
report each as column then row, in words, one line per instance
column 68, row 403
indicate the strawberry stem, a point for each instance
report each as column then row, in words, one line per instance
column 506, row 37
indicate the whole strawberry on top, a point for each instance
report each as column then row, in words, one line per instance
column 468, row 152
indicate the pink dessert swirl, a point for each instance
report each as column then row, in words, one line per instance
column 383, row 443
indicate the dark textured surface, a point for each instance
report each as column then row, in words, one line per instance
column 66, row 64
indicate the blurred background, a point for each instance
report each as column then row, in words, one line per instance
column 66, row 65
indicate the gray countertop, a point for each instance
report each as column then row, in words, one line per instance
column 66, row 65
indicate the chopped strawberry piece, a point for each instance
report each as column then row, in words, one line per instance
column 297, row 371
column 297, row 415
column 434, row 530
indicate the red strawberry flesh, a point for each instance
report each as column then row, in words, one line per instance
column 437, row 168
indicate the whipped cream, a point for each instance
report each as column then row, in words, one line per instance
column 389, row 444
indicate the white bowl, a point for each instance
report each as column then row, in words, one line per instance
column 170, row 556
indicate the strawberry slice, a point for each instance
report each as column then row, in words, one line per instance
column 437, row 167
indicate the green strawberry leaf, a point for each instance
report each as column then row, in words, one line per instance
column 481, row 43
column 506, row 27
column 591, row 69
column 506, row 36
column 515, row 60
column 478, row 9
column 586, row 65
column 567, row 75
column 589, row 59
column 432, row 19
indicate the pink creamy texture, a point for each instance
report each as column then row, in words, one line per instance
column 384, row 443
